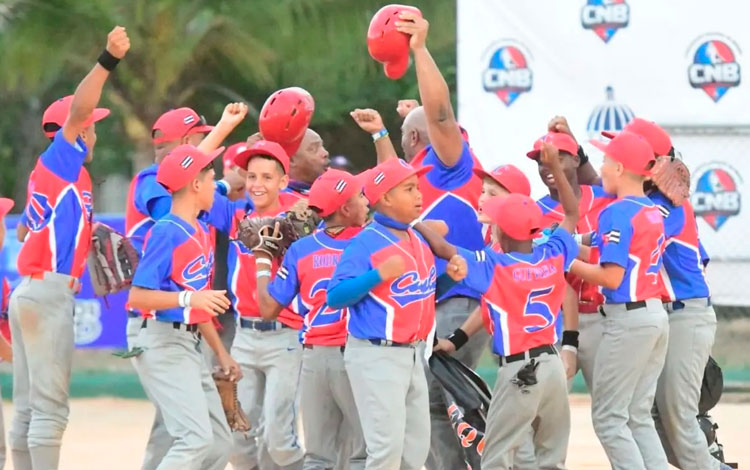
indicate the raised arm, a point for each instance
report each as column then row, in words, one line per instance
column 442, row 127
column 370, row 121
column 550, row 157
column 232, row 116
column 89, row 91
column 438, row 244
column 586, row 172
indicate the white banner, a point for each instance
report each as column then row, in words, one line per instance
column 599, row 63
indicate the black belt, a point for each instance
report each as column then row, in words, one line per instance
column 177, row 326
column 389, row 343
column 532, row 353
column 628, row 306
column 678, row 305
column 313, row 346
column 132, row 314
column 260, row 325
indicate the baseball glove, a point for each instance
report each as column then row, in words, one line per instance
column 232, row 410
column 672, row 178
column 263, row 234
column 301, row 219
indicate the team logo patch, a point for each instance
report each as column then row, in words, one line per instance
column 38, row 211
column 508, row 73
column 410, row 288
column 716, row 196
column 714, row 66
column 613, row 236
column 605, row 17
column 197, row 272
column 186, row 162
column 88, row 203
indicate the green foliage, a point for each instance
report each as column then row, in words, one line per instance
column 202, row 54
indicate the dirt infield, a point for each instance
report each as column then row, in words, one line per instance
column 109, row 433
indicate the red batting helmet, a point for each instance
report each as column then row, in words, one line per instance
column 387, row 45
column 285, row 116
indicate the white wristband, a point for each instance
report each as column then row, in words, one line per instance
column 569, row 347
column 264, row 273
column 578, row 237
column 188, row 296
column 264, row 261
column 181, row 299
column 379, row 135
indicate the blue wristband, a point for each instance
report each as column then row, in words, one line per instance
column 379, row 135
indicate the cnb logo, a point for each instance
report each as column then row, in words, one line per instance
column 714, row 67
column 716, row 196
column 508, row 73
column 605, row 17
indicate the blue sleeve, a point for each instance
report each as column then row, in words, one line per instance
column 222, row 187
column 450, row 177
column 481, row 268
column 674, row 221
column 561, row 241
column 285, row 286
column 223, row 210
column 614, row 238
column 704, row 254
column 444, row 284
column 152, row 198
column 354, row 262
column 156, row 264
column 350, row 291
column 63, row 158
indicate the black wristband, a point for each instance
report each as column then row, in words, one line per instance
column 458, row 338
column 582, row 157
column 107, row 60
column 570, row 338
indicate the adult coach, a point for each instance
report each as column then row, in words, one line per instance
column 50, row 263
column 450, row 190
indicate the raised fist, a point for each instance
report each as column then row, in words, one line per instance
column 118, row 42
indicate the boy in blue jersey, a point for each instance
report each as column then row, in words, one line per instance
column 451, row 189
column 692, row 320
column 630, row 238
column 387, row 278
column 330, row 419
column 172, row 283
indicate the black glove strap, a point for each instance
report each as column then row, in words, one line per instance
column 570, row 338
column 458, row 338
column 107, row 60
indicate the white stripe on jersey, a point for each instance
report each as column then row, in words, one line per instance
column 503, row 320
column 634, row 276
column 389, row 316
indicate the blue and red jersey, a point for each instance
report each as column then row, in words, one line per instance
column 451, row 194
column 593, row 200
column 147, row 202
column 523, row 292
column 684, row 275
column 301, row 282
column 631, row 235
column 58, row 211
column 401, row 309
column 242, row 280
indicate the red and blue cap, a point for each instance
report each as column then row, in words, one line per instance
column 388, row 175
column 182, row 165
column 57, row 113
column 560, row 140
column 178, row 123
column 265, row 148
column 517, row 215
column 631, row 150
column 333, row 188
column 654, row 134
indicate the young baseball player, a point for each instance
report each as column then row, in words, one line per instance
column 524, row 286
column 50, row 263
column 586, row 298
column 630, row 239
column 692, row 320
column 172, row 282
column 432, row 137
column 387, row 278
column 330, row 416
column 268, row 351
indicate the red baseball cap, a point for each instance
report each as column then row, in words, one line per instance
column 517, row 215
column 654, row 134
column 58, row 111
column 387, row 176
column 563, row 142
column 332, row 189
column 178, row 123
column 632, row 150
column 263, row 147
column 509, row 177
column 386, row 44
column 285, row 116
column 230, row 154
column 6, row 205
column 182, row 165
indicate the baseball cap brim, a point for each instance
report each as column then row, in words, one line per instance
column 6, row 205
column 397, row 68
column 203, row 129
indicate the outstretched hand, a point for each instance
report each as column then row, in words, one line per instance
column 118, row 42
